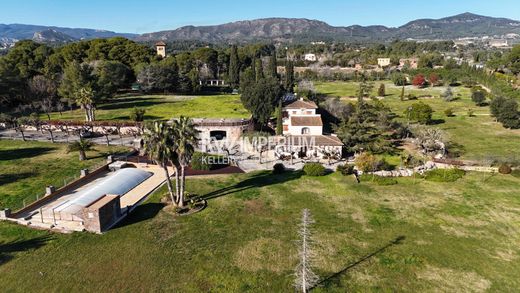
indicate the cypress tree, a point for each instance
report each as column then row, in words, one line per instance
column 289, row 76
column 272, row 66
column 259, row 69
column 279, row 121
column 234, row 68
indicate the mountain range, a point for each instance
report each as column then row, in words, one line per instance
column 285, row 30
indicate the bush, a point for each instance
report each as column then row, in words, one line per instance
column 444, row 175
column 516, row 173
column 345, row 169
column 137, row 114
column 448, row 112
column 419, row 112
column 471, row 112
column 504, row 169
column 278, row 168
column 367, row 162
column 379, row 180
column 314, row 169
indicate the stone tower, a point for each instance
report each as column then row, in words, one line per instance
column 161, row 49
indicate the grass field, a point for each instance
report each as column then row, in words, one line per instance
column 479, row 136
column 458, row 237
column 165, row 107
column 27, row 167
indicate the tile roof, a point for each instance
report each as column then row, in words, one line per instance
column 301, row 104
column 306, row 121
column 316, row 140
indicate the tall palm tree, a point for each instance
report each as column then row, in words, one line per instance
column 160, row 147
column 85, row 98
column 186, row 137
column 81, row 146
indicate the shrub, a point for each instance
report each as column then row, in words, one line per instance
column 516, row 173
column 381, row 91
column 444, row 175
column 137, row 114
column 278, row 168
column 384, row 165
column 367, row 162
column 448, row 112
column 504, row 169
column 398, row 79
column 478, row 97
column 345, row 169
column 471, row 112
column 419, row 80
column 379, row 180
column 419, row 112
column 314, row 169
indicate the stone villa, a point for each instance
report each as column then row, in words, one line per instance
column 303, row 130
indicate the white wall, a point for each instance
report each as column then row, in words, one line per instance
column 297, row 130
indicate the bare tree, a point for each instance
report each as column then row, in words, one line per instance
column 49, row 129
column 305, row 278
column 106, row 131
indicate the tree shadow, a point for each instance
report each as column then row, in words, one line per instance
column 141, row 213
column 255, row 181
column 131, row 104
column 436, row 121
column 328, row 280
column 6, row 249
column 10, row 178
column 7, row 155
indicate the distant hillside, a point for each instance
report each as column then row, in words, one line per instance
column 290, row 29
column 280, row 30
column 52, row 34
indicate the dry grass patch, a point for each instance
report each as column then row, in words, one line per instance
column 448, row 280
column 266, row 254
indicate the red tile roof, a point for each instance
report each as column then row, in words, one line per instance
column 301, row 104
column 316, row 140
column 306, row 121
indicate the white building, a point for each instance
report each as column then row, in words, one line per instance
column 310, row 57
column 303, row 130
column 383, row 62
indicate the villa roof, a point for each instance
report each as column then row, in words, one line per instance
column 160, row 43
column 317, row 140
column 306, row 120
column 301, row 104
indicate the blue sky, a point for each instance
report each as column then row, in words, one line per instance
column 146, row 16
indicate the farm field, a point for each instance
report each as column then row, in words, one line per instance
column 478, row 137
column 415, row 236
column 27, row 167
column 161, row 107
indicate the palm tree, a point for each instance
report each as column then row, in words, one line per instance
column 81, row 146
column 186, row 139
column 160, row 147
column 85, row 98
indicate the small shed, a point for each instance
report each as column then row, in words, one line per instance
column 100, row 215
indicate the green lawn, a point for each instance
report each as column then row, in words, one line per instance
column 165, row 107
column 458, row 237
column 27, row 167
column 479, row 136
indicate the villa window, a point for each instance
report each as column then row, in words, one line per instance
column 306, row 130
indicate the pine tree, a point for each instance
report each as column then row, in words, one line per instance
column 305, row 279
column 234, row 68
